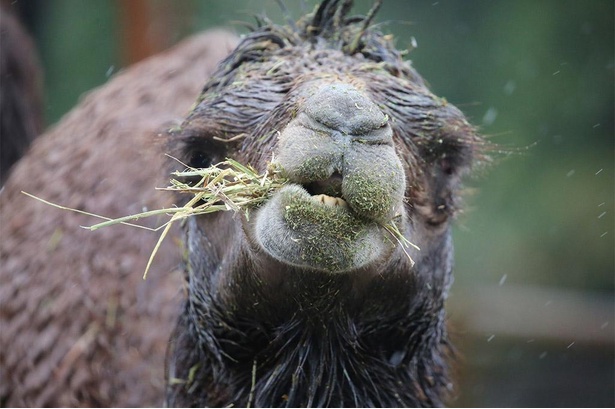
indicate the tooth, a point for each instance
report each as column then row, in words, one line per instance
column 331, row 201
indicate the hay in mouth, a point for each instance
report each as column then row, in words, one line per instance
column 228, row 185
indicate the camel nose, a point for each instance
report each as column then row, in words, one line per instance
column 341, row 107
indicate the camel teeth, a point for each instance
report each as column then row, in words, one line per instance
column 331, row 201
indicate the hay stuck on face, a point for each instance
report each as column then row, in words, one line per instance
column 228, row 185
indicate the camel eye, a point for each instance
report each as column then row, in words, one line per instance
column 201, row 159
column 198, row 152
column 202, row 152
column 449, row 156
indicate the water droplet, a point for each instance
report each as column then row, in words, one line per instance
column 543, row 355
column 490, row 338
column 598, row 172
column 602, row 215
column 570, row 173
column 503, row 279
column 510, row 87
column 490, row 116
column 396, row 358
column 569, row 345
column 603, row 326
column 110, row 71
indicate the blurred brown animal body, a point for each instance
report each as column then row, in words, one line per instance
column 79, row 327
column 309, row 301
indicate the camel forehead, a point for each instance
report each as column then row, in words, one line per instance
column 300, row 71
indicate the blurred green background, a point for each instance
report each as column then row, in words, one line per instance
column 532, row 308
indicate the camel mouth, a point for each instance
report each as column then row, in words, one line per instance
column 303, row 205
column 330, row 201
column 330, row 216
column 331, row 186
column 319, row 231
column 328, row 192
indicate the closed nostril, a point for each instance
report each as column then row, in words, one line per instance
column 344, row 108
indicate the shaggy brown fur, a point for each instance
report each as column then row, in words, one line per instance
column 79, row 327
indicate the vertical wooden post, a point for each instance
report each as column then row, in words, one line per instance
column 146, row 27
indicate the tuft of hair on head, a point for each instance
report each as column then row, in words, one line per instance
column 331, row 20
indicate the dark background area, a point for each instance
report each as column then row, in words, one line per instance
column 532, row 309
